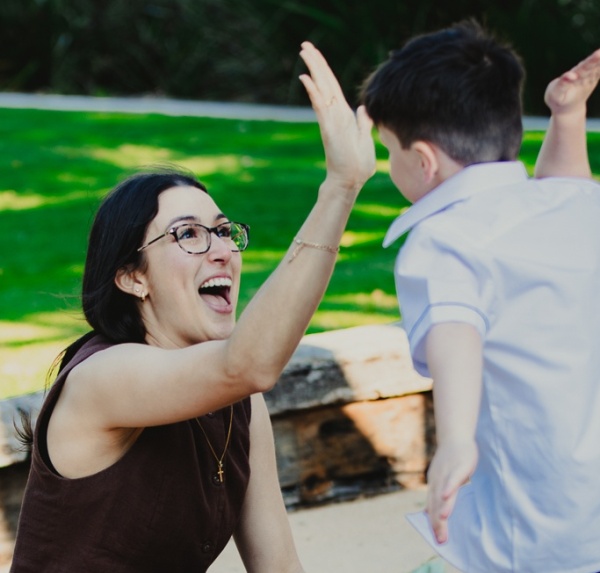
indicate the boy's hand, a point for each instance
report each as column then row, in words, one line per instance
column 564, row 150
column 569, row 93
column 349, row 146
column 451, row 467
column 455, row 359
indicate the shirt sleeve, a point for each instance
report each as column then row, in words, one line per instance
column 439, row 279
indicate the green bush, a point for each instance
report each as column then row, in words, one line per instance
column 236, row 50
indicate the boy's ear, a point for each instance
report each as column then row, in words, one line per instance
column 131, row 281
column 429, row 162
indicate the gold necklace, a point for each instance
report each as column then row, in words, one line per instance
column 219, row 460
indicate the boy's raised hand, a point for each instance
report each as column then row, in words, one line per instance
column 564, row 150
column 569, row 92
column 349, row 146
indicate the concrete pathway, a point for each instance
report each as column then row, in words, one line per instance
column 192, row 108
column 161, row 106
column 364, row 536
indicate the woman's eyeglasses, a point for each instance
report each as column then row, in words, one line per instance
column 195, row 238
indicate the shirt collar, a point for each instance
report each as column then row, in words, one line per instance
column 461, row 186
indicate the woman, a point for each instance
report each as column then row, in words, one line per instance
column 154, row 444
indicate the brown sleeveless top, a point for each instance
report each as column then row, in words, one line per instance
column 160, row 508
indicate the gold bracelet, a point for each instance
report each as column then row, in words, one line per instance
column 300, row 243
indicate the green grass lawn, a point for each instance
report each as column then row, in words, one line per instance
column 56, row 166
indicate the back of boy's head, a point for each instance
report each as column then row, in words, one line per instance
column 457, row 88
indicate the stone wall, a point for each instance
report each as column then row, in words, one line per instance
column 350, row 415
column 13, row 470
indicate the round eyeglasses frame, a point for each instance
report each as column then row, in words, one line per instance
column 244, row 230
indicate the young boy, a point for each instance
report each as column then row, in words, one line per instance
column 499, row 282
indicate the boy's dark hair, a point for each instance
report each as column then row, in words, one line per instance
column 457, row 88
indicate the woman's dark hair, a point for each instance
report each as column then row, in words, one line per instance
column 117, row 232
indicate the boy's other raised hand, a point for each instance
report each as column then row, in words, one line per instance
column 564, row 150
column 569, row 93
column 347, row 139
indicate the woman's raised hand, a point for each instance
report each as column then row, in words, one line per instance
column 346, row 135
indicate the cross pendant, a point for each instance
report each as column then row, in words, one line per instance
column 220, row 472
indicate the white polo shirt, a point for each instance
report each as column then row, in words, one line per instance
column 519, row 259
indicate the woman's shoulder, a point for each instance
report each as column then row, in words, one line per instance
column 82, row 348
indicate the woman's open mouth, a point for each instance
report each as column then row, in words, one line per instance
column 215, row 291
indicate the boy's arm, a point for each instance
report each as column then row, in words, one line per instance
column 564, row 150
column 454, row 356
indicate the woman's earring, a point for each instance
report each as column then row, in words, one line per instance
column 143, row 297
